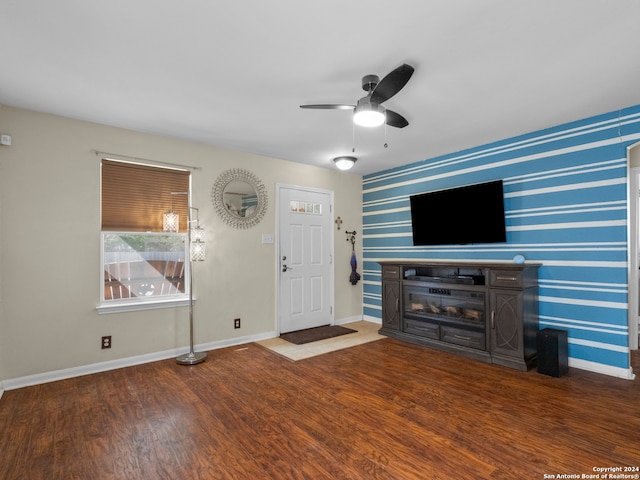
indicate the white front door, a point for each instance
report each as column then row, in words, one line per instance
column 305, row 238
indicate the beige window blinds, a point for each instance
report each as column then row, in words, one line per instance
column 134, row 197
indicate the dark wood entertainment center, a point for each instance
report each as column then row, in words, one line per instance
column 486, row 311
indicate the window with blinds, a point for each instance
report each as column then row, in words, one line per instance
column 135, row 197
column 142, row 265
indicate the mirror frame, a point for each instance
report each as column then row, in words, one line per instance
column 239, row 175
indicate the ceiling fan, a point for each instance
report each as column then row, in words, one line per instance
column 368, row 111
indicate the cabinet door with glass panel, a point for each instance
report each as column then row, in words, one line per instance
column 460, row 307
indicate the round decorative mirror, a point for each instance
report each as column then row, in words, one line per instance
column 240, row 198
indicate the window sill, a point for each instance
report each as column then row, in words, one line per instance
column 107, row 308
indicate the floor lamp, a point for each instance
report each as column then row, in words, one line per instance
column 195, row 241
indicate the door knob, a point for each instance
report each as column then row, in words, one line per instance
column 285, row 268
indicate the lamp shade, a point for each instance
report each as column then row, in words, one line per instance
column 345, row 163
column 170, row 221
column 197, row 234
column 198, row 253
column 197, row 246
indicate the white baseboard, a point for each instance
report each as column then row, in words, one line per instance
column 626, row 373
column 55, row 375
column 29, row 380
column 371, row 319
column 358, row 318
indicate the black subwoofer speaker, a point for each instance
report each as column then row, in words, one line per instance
column 552, row 352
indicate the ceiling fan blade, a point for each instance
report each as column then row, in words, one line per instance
column 395, row 119
column 392, row 84
column 330, row 106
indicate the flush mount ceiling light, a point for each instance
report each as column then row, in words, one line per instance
column 345, row 163
column 367, row 114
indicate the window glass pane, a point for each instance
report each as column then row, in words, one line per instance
column 144, row 265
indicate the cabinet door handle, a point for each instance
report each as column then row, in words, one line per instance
column 397, row 304
column 512, row 279
column 493, row 319
column 461, row 337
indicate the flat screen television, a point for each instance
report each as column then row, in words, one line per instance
column 458, row 216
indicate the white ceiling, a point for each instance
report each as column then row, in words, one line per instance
column 233, row 74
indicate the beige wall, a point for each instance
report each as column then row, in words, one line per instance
column 50, row 247
column 634, row 156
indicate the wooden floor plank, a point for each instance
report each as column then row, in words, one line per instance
column 382, row 410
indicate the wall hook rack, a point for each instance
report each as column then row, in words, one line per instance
column 351, row 237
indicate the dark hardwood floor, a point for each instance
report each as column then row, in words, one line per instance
column 383, row 410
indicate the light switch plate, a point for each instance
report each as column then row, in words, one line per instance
column 267, row 238
column 5, row 140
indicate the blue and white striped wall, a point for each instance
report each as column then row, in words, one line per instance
column 249, row 201
column 566, row 207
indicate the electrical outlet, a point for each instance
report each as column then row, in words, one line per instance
column 236, row 323
column 106, row 342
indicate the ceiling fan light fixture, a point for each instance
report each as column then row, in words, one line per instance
column 345, row 162
column 367, row 114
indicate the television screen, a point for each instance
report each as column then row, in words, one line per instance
column 461, row 215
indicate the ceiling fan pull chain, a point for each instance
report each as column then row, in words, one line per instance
column 353, row 137
column 386, row 145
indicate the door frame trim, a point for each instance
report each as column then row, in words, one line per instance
column 633, row 242
column 279, row 187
